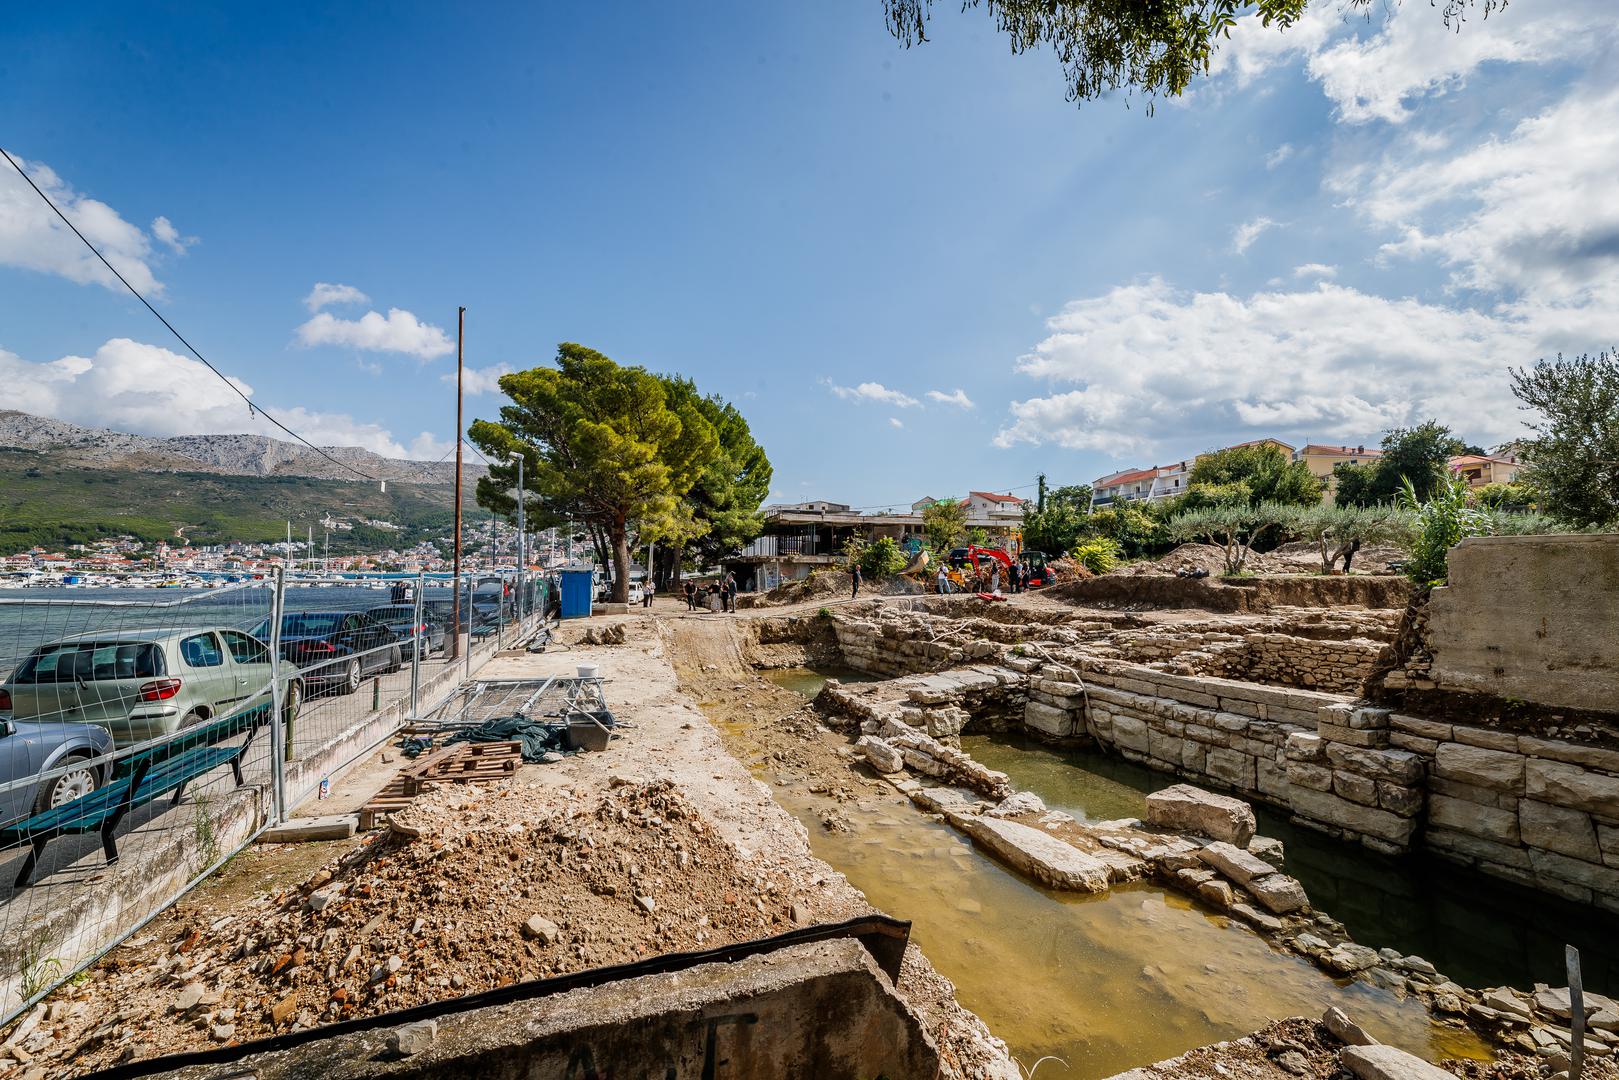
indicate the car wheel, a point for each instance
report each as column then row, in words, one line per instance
column 74, row 784
column 351, row 678
column 192, row 719
column 292, row 701
column 395, row 661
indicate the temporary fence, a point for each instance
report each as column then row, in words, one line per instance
column 146, row 736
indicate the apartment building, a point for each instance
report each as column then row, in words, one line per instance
column 1321, row 459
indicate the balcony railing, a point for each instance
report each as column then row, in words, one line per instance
column 777, row 546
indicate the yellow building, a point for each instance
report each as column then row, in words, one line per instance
column 1320, row 460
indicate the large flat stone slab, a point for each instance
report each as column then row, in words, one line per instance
column 1379, row 1062
column 1191, row 809
column 1037, row 855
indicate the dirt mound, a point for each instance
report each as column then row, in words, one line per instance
column 1067, row 571
column 470, row 891
column 820, row 585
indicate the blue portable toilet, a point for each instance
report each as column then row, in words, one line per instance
column 578, row 590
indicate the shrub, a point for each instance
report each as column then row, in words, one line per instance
column 1437, row 526
column 881, row 558
column 1099, row 555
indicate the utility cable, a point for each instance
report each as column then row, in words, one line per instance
column 251, row 407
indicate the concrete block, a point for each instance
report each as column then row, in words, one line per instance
column 301, row 830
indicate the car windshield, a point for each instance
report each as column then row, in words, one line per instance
column 90, row 661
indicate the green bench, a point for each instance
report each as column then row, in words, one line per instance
column 137, row 780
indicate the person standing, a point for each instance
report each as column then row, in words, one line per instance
column 728, row 593
column 646, row 593
column 944, row 581
column 1015, row 572
column 691, row 596
column 854, row 572
column 995, row 579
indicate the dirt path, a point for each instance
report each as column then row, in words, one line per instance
column 774, row 730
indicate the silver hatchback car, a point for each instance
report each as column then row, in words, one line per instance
column 141, row 685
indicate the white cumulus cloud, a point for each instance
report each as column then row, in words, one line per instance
column 399, row 331
column 1316, row 270
column 1244, row 235
column 1146, row 361
column 480, row 380
column 32, row 237
column 894, row 421
column 325, row 293
column 1278, row 155
column 164, row 230
column 132, row 386
column 957, row 397
column 871, row 391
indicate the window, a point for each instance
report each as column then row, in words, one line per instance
column 92, row 660
column 201, row 650
column 245, row 649
column 351, row 622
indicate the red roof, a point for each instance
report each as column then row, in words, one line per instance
column 990, row 496
column 1132, row 477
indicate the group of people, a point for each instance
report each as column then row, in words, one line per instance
column 982, row 581
column 697, row 596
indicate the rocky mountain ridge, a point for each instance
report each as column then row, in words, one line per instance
column 231, row 455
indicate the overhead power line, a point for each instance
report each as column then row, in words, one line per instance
column 251, row 407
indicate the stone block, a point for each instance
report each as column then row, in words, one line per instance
column 1314, row 777
column 1380, row 1062
column 1599, row 879
column 1399, row 799
column 1414, row 743
column 1559, row 829
column 882, row 757
column 1038, row 855
column 1048, row 720
column 1270, row 778
column 1570, row 785
column 1475, row 849
column 1279, row 893
column 1369, row 719
column 1398, row 766
column 1352, row 737
column 1354, row 787
column 1231, row 767
column 1488, row 822
column 1427, row 729
column 1592, row 757
column 1189, row 809
column 1235, row 863
column 1303, row 746
column 1495, row 770
column 1351, row 817
column 1164, row 746
column 1130, row 732
column 1193, row 757
column 1472, row 793
column 1488, row 738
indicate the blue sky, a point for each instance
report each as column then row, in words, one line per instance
column 917, row 271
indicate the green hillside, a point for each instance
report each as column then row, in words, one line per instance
column 53, row 506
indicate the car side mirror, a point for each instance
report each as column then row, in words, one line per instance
column 7, row 727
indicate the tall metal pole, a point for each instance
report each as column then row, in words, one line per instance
column 280, row 744
column 417, row 646
column 455, row 606
column 522, row 545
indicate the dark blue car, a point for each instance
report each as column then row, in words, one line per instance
column 336, row 650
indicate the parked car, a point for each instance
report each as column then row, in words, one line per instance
column 441, row 612
column 336, row 650
column 28, row 748
column 142, row 684
column 401, row 619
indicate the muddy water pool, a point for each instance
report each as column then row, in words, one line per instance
column 1103, row 983
column 1478, row 930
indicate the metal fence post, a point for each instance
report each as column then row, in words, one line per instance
column 468, row 609
column 280, row 745
column 416, row 649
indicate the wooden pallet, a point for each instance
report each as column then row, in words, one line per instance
column 459, row 763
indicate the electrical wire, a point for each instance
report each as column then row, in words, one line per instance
column 251, row 407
